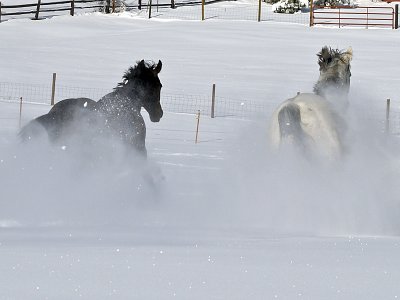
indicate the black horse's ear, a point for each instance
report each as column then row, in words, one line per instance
column 157, row 68
column 141, row 64
column 140, row 67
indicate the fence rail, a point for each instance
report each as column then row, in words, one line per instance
column 362, row 16
column 55, row 6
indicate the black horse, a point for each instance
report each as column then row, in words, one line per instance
column 116, row 115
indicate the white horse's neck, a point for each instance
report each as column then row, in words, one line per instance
column 337, row 95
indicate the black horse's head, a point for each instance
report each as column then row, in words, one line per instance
column 147, row 86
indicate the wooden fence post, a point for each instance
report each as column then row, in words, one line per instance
column 150, row 4
column 197, row 127
column 203, row 3
column 37, row 10
column 53, row 89
column 0, row 12
column 140, row 4
column 20, row 112
column 107, row 9
column 72, row 12
column 387, row 125
column 213, row 102
column 259, row 10
column 113, row 6
column 311, row 13
column 396, row 16
column 173, row 4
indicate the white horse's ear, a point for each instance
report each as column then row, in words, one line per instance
column 348, row 55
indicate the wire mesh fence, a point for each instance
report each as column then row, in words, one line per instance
column 224, row 107
column 177, row 103
column 229, row 11
column 190, row 104
column 41, row 93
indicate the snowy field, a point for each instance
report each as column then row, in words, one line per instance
column 226, row 219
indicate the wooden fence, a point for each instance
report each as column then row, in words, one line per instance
column 35, row 9
column 108, row 6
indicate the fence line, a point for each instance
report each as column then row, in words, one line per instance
column 184, row 10
column 178, row 103
column 189, row 104
column 232, row 10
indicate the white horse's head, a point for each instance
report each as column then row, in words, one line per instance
column 334, row 80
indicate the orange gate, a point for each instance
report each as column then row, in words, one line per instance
column 362, row 16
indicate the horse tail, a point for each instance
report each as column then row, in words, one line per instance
column 33, row 129
column 291, row 130
column 289, row 120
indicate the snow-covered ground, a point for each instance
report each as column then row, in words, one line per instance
column 226, row 219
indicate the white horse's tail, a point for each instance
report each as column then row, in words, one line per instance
column 289, row 119
column 290, row 127
column 309, row 124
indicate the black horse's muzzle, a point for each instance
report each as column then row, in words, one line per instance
column 155, row 114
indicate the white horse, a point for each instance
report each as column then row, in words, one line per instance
column 311, row 122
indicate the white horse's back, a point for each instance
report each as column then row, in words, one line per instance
column 318, row 123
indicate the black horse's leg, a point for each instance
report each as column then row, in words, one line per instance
column 137, row 136
column 141, row 150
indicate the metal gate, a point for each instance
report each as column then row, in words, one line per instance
column 361, row 16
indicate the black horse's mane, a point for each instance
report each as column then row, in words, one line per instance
column 142, row 69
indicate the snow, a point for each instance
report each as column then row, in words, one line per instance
column 227, row 219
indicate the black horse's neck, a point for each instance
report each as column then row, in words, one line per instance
column 124, row 97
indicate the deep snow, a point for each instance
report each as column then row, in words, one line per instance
column 228, row 219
